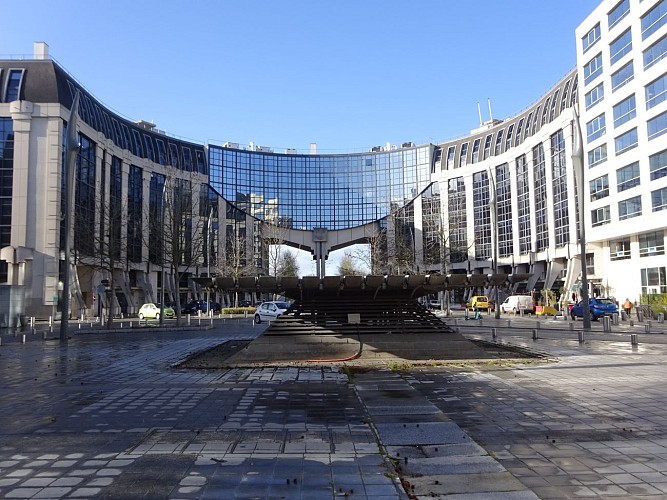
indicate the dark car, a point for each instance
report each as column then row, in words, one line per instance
column 193, row 307
column 598, row 306
column 196, row 306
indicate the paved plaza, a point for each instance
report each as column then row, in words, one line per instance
column 113, row 415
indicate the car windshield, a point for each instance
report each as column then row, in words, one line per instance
column 282, row 305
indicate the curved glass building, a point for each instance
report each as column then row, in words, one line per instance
column 505, row 197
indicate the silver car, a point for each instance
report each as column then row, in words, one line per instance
column 270, row 311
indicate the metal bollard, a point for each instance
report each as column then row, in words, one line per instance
column 606, row 324
column 614, row 319
column 633, row 339
column 23, row 339
column 458, row 330
column 632, row 323
column 647, row 327
column 537, row 325
column 509, row 323
column 640, row 317
column 534, row 334
column 494, row 333
column 661, row 317
column 581, row 336
column 571, row 326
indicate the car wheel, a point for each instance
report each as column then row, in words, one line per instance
column 573, row 316
column 141, row 316
column 257, row 319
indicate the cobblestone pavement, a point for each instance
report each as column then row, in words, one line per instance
column 110, row 415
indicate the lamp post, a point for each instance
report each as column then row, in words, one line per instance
column 493, row 202
column 72, row 148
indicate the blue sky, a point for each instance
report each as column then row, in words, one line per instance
column 347, row 75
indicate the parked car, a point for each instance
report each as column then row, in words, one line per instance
column 245, row 303
column 152, row 311
column 598, row 306
column 434, row 304
column 270, row 311
column 197, row 306
column 518, row 303
column 479, row 302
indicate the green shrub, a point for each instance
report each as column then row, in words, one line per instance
column 657, row 301
column 238, row 310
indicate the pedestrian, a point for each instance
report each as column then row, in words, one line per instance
column 627, row 305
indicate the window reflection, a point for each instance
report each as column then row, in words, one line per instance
column 335, row 191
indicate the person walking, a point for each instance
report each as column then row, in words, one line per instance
column 627, row 305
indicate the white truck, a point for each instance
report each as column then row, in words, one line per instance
column 518, row 303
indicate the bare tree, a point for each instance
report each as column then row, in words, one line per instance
column 287, row 266
column 348, row 266
column 234, row 259
column 274, row 236
column 100, row 246
column 180, row 232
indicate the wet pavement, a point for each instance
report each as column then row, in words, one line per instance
column 111, row 415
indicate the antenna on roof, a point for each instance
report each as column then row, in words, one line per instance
column 479, row 111
column 490, row 114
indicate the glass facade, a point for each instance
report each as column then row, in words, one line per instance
column 541, row 200
column 523, row 204
column 482, row 215
column 560, row 196
column 504, row 210
column 134, row 214
column 6, row 187
column 336, row 191
column 458, row 223
column 84, row 199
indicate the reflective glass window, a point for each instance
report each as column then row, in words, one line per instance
column 594, row 96
column 659, row 199
column 463, row 157
column 627, row 177
column 475, row 150
column 600, row 216
column 632, row 207
column 599, row 188
column 597, row 155
column 620, row 47
column 626, row 141
column 622, row 76
column 593, row 69
column 625, row 111
column 654, row 19
column 655, row 53
column 657, row 126
column 595, row 128
column 656, row 92
column 499, row 142
column 658, row 165
column 588, row 40
column 618, row 12
column 13, row 90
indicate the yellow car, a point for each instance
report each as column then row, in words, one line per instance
column 151, row 311
column 481, row 302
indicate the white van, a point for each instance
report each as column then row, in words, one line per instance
column 517, row 303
